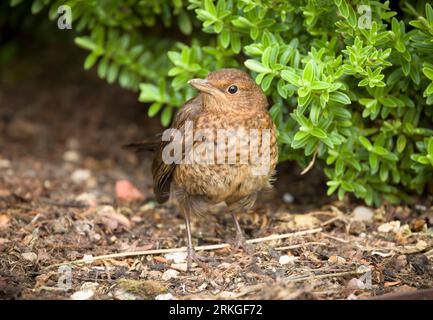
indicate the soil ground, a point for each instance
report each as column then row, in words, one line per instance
column 61, row 132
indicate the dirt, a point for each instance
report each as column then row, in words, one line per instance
column 61, row 132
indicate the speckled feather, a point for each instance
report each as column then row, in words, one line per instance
column 197, row 186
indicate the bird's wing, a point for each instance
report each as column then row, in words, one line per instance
column 161, row 171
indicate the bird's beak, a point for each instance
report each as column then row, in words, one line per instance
column 205, row 86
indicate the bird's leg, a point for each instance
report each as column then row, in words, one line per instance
column 240, row 241
column 191, row 254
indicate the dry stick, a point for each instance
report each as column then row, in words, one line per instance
column 311, row 164
column 323, row 276
column 183, row 249
column 295, row 246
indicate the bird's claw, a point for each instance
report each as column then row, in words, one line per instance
column 241, row 243
column 200, row 260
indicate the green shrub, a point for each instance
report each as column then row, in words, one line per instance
column 353, row 93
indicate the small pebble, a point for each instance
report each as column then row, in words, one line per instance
column 169, row 274
column 355, row 284
column 87, row 198
column 393, row 226
column 180, row 266
column 177, row 257
column 30, row 256
column 71, row 156
column 288, row 198
column 165, row 296
column 336, row 260
column 5, row 164
column 80, row 175
column 285, row 259
column 83, row 294
column 362, row 213
column 401, row 262
column 122, row 294
column 87, row 258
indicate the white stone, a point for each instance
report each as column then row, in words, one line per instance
column 5, row 164
column 393, row 226
column 80, row 175
column 362, row 213
column 71, row 156
column 169, row 274
column 30, row 256
column 285, row 259
column 288, row 198
column 165, row 296
column 176, row 257
column 83, row 294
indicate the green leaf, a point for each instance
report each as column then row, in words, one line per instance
column 290, row 76
column 308, row 73
column 166, row 116
column 15, row 2
column 339, row 97
column 381, row 151
column 428, row 71
column 365, row 143
column 430, row 148
column 225, row 38
column 256, row 66
column 90, row 60
column 154, row 109
column 85, row 43
column 401, row 143
column 149, row 93
column 184, row 23
column 318, row 133
column 235, row 41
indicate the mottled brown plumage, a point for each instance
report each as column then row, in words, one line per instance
column 196, row 187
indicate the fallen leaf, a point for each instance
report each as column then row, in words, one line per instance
column 4, row 221
column 109, row 217
column 125, row 191
column 391, row 284
column 393, row 226
column 336, row 260
column 303, row 221
column 160, row 259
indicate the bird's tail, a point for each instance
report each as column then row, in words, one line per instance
column 142, row 146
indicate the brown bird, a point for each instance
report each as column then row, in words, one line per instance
column 229, row 100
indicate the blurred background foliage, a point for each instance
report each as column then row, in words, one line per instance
column 350, row 82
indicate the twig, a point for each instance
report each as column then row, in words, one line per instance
column 183, row 249
column 295, row 246
column 323, row 276
column 311, row 164
column 335, row 238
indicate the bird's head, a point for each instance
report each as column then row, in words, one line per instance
column 230, row 89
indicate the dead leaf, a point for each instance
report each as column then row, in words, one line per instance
column 4, row 221
column 303, row 221
column 125, row 191
column 109, row 217
column 336, row 260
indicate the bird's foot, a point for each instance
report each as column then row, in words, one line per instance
column 193, row 256
column 241, row 243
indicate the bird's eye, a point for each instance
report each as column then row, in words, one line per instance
column 233, row 89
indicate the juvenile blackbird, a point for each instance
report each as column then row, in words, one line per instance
column 228, row 100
